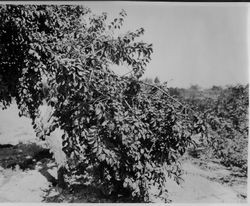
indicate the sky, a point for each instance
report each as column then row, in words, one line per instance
column 193, row 43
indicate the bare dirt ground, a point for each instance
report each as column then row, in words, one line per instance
column 206, row 185
column 18, row 186
column 204, row 182
column 199, row 186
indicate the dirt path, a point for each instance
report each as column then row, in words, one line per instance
column 199, row 187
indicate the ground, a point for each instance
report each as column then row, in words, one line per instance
column 27, row 172
column 203, row 183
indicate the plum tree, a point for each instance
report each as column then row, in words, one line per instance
column 116, row 129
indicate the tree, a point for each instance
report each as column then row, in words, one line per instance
column 226, row 117
column 148, row 80
column 195, row 88
column 156, row 80
column 115, row 131
column 231, row 139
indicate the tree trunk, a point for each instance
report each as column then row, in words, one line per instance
column 60, row 178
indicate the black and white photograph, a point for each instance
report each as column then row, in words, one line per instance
column 124, row 102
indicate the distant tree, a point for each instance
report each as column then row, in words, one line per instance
column 156, row 80
column 195, row 87
column 148, row 80
column 174, row 91
column 216, row 88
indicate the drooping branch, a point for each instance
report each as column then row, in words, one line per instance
column 168, row 95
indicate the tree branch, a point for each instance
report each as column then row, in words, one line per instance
column 168, row 95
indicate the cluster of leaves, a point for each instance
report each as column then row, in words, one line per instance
column 28, row 34
column 116, row 128
column 227, row 124
column 17, row 73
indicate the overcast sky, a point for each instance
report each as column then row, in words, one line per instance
column 194, row 43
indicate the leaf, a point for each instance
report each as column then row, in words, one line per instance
column 98, row 110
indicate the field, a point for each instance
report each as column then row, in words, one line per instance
column 28, row 172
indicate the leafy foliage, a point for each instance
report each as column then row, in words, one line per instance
column 227, row 124
column 119, row 131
